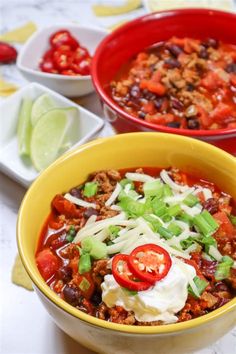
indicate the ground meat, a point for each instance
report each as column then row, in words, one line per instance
column 102, row 311
column 114, row 174
column 70, row 251
column 210, row 299
column 232, row 278
column 99, row 270
column 119, row 315
column 106, row 183
column 107, row 212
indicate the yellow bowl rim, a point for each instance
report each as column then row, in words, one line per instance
column 53, row 297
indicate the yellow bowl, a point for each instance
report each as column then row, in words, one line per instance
column 123, row 151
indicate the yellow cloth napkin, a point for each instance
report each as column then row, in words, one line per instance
column 158, row 5
column 19, row 275
column 20, row 34
column 7, row 88
column 110, row 10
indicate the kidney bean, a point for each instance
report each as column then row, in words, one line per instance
column 65, row 274
column 190, row 87
column 231, row 68
column 172, row 63
column 72, row 295
column 89, row 212
column 177, row 104
column 211, row 42
column 211, row 205
column 76, row 192
column 135, row 91
column 193, row 123
column 158, row 102
column 203, row 54
column 174, row 49
column 221, row 286
column 96, row 299
column 142, row 114
column 173, row 124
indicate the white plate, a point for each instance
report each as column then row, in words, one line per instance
column 10, row 161
column 38, row 43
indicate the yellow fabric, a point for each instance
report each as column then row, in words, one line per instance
column 157, row 5
column 19, row 275
column 103, row 10
column 7, row 88
column 20, row 34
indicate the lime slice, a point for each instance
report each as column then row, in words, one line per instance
column 24, row 127
column 49, row 134
column 41, row 105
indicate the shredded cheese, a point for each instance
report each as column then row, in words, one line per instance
column 114, row 195
column 79, row 202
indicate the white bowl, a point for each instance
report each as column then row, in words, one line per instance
column 10, row 161
column 36, row 46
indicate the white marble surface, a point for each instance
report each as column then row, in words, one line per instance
column 25, row 327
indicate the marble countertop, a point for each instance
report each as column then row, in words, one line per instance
column 25, row 326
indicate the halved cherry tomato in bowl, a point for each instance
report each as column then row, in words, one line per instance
column 149, row 262
column 124, row 276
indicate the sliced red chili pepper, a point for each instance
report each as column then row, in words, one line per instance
column 124, row 276
column 80, row 54
column 48, row 66
column 63, row 37
column 83, row 68
column 62, row 59
column 68, row 72
column 8, row 54
column 150, row 262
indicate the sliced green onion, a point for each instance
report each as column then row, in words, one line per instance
column 187, row 242
column 223, row 268
column 175, row 229
column 155, row 223
column 202, row 225
column 167, row 234
column 130, row 292
column 114, row 230
column 191, row 200
column 167, row 191
column 132, row 207
column 99, row 250
column 159, row 207
column 174, row 210
column 166, row 218
column 131, row 194
column 87, row 243
column 126, row 181
column 153, row 189
column 69, row 238
column 211, row 221
column 84, row 263
column 185, row 217
column 84, row 285
column 208, row 241
column 90, row 189
column 232, row 219
column 201, row 285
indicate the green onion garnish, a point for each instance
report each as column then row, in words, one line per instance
column 153, row 189
column 114, row 231
column 167, row 191
column 201, row 285
column 132, row 207
column 84, row 285
column 191, row 200
column 232, row 219
column 223, row 268
column 174, row 210
column 90, row 189
column 175, row 229
column 126, row 181
column 167, row 234
column 84, row 265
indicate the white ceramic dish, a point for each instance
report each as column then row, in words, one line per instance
column 10, row 162
column 35, row 47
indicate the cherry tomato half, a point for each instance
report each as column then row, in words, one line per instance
column 149, row 262
column 63, row 37
column 124, row 276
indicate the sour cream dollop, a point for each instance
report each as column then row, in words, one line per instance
column 159, row 303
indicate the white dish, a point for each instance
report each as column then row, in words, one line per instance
column 10, row 161
column 36, row 46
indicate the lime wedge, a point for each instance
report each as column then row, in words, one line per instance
column 41, row 105
column 49, row 134
column 24, row 127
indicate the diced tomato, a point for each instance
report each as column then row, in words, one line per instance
column 65, row 207
column 225, row 224
column 221, row 112
column 212, row 81
column 156, row 77
column 63, row 37
column 148, row 107
column 85, row 283
column 47, row 263
column 204, row 117
column 153, row 86
column 233, row 79
column 162, row 119
column 55, row 224
column 141, row 56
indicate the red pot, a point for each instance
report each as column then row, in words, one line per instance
column 131, row 38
